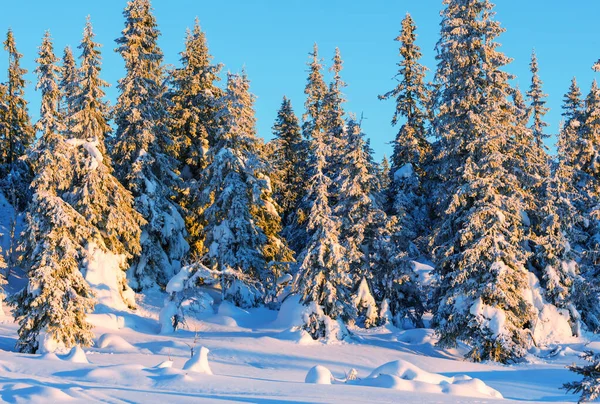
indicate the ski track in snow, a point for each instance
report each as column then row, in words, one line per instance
column 251, row 363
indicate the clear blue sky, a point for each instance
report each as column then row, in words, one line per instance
column 272, row 39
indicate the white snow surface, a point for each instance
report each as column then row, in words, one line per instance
column 258, row 358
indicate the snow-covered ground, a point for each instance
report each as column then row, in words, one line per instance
column 254, row 357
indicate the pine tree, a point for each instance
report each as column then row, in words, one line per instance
column 288, row 161
column 97, row 195
column 20, row 133
column 478, row 244
column 242, row 223
column 411, row 148
column 140, row 149
column 57, row 298
column 538, row 103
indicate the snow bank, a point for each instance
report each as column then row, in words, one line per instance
column 318, row 375
column 77, row 355
column 403, row 375
column 26, row 393
column 199, row 362
column 106, row 278
column 290, row 313
column 115, row 343
column 552, row 324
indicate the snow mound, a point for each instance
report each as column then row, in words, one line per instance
column 291, row 313
column 318, row 375
column 199, row 362
column 403, row 375
column 417, row 336
column 164, row 365
column 115, row 343
column 298, row 336
column 552, row 325
column 77, row 355
column 26, row 393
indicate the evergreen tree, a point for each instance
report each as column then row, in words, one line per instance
column 478, row 244
column 193, row 124
column 20, row 133
column 411, row 148
column 56, row 300
column 384, row 176
column 69, row 81
column 140, row 149
column 288, row 161
column 96, row 194
column 538, row 103
column 242, row 223
column 572, row 114
column 324, row 281
column 589, row 386
column 313, row 125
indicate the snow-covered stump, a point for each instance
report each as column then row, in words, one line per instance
column 318, row 375
column 199, row 362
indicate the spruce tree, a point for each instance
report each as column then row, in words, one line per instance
column 288, row 161
column 242, row 222
column 411, row 148
column 96, row 194
column 538, row 103
column 56, row 299
column 324, row 281
column 313, row 125
column 572, row 115
column 384, row 176
column 69, row 81
column 478, row 244
column 140, row 149
column 20, row 133
column 193, row 124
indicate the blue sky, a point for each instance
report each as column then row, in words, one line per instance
column 272, row 39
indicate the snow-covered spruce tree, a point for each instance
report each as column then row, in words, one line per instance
column 588, row 386
column 242, row 223
column 478, row 244
column 384, row 174
column 360, row 217
column 295, row 231
column 334, row 124
column 96, row 194
column 69, row 82
column 18, row 134
column 324, row 281
column 572, row 114
column 411, row 148
column 193, row 125
column 288, row 162
column 538, row 103
column 52, row 308
column 140, row 150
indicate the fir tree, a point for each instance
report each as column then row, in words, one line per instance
column 140, row 149
column 97, row 195
column 288, row 161
column 242, row 223
column 538, row 103
column 193, row 123
column 384, row 176
column 324, row 281
column 411, row 148
column 57, row 298
column 572, row 114
column 478, row 244
column 313, row 125
column 69, row 81
column 589, row 386
column 20, row 133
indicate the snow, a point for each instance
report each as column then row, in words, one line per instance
column 490, row 317
column 406, row 171
column 318, row 375
column 261, row 360
column 92, row 148
column 552, row 324
column 105, row 277
column 77, row 355
column 199, row 362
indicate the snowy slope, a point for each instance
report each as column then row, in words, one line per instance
column 254, row 359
